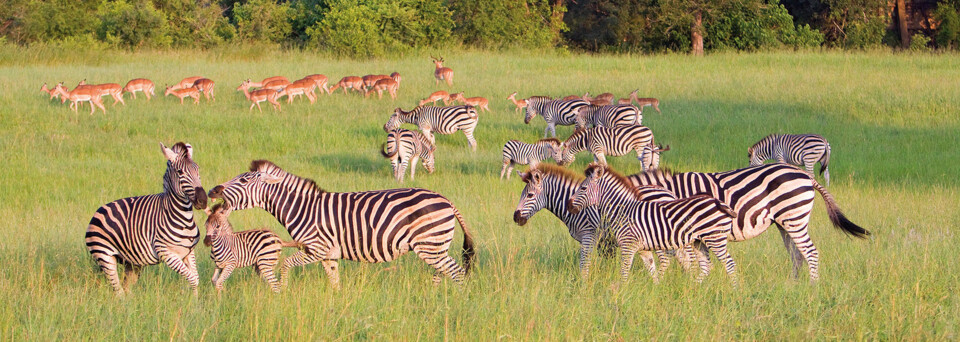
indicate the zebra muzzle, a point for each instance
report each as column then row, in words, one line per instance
column 518, row 218
column 200, row 198
column 572, row 208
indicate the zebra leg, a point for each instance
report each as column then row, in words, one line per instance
column 599, row 157
column 333, row 273
column 587, row 243
column 413, row 167
column 108, row 264
column 798, row 233
column 718, row 245
column 266, row 272
column 176, row 263
column 470, row 139
column 826, row 175
column 626, row 253
column 664, row 260
column 223, row 278
column 131, row 273
column 297, row 259
column 648, row 262
column 704, row 261
column 442, row 263
column 795, row 255
column 216, row 275
column 504, row 169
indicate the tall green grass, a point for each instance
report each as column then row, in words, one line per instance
column 891, row 119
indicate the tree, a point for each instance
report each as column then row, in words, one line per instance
column 692, row 14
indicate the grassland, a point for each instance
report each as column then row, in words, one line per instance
column 892, row 121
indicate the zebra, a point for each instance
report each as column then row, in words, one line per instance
column 644, row 226
column 259, row 248
column 602, row 141
column 762, row 195
column 550, row 187
column 405, row 147
column 559, row 112
column 796, row 149
column 145, row 230
column 517, row 152
column 651, row 156
column 443, row 120
column 367, row 226
column 609, row 116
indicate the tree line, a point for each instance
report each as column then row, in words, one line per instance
column 362, row 28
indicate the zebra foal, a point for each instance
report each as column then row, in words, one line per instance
column 405, row 147
column 796, row 149
column 603, row 141
column 518, row 152
column 559, row 112
column 442, row 120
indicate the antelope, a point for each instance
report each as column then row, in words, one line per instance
column 300, row 87
column 648, row 101
column 139, row 84
column 186, row 82
column 321, row 81
column 276, row 84
column 572, row 97
column 433, row 98
column 441, row 72
column 629, row 99
column 206, row 85
column 370, row 80
column 262, row 84
column 53, row 92
column 261, row 95
column 521, row 103
column 473, row 101
column 81, row 94
column 604, row 99
column 193, row 92
column 351, row 82
column 390, row 84
column 112, row 89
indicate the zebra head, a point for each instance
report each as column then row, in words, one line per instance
column 182, row 178
column 759, row 152
column 248, row 189
column 532, row 198
column 217, row 223
column 394, row 121
column 588, row 193
column 554, row 148
column 575, row 143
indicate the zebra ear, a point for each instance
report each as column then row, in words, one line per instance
column 189, row 151
column 171, row 156
column 523, row 176
column 270, row 179
column 208, row 211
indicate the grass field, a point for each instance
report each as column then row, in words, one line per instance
column 892, row 121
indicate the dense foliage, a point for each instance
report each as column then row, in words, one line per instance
column 363, row 28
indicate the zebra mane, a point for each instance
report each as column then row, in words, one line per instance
column 182, row 149
column 271, row 168
column 663, row 172
column 577, row 134
column 554, row 170
column 617, row 177
column 550, row 140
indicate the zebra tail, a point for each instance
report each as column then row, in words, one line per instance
column 836, row 216
column 725, row 209
column 294, row 244
column 468, row 251
column 825, row 160
column 383, row 151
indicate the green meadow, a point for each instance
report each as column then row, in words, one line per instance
column 892, row 121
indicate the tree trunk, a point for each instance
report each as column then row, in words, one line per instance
column 902, row 22
column 696, row 34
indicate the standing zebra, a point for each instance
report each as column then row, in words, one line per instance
column 609, row 116
column 404, row 147
column 443, row 120
column 144, row 230
column 762, row 195
column 259, row 248
column 560, row 112
column 368, row 226
column 655, row 225
column 602, row 141
column 651, row 156
column 797, row 149
column 517, row 152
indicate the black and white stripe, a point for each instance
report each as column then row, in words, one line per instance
column 603, row 141
column 797, row 149
column 645, row 226
column 367, row 226
column 518, row 152
column 609, row 116
column 404, row 148
column 442, row 120
column 145, row 230
column 259, row 248
column 558, row 112
column 762, row 195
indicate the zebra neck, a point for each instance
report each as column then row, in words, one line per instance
column 180, row 211
column 557, row 199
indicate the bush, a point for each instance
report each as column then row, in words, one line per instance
column 56, row 20
column 364, row 28
column 129, row 25
column 865, row 34
column 948, row 30
column 506, row 23
column 263, row 21
column 919, row 42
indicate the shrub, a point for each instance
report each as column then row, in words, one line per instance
column 130, row 25
column 364, row 28
column 865, row 34
column 506, row 23
column 263, row 20
column 948, row 30
column 919, row 42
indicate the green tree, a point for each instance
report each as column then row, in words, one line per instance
column 263, row 21
column 132, row 25
column 496, row 24
column 948, row 27
column 372, row 28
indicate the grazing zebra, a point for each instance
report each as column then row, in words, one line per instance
column 259, row 248
column 603, row 141
column 609, row 116
column 762, row 195
column 404, row 147
column 644, row 226
column 443, row 120
column 517, row 152
column 145, row 230
column 368, row 226
column 555, row 113
column 797, row 149
column 651, row 156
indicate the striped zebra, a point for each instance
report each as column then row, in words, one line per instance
column 603, row 141
column 644, row 226
column 762, row 195
column 259, row 248
column 443, row 120
column 550, row 187
column 367, row 226
column 651, row 156
column 797, row 149
column 145, row 230
column 609, row 116
column 559, row 112
column 518, row 152
column 405, row 147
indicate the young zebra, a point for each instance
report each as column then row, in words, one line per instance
column 646, row 226
column 367, row 226
column 259, row 248
column 443, row 120
column 517, row 152
column 608, row 116
column 762, row 195
column 603, row 141
column 145, row 230
column 404, row 147
column 560, row 112
column 798, row 149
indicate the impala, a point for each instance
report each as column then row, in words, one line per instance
column 193, row 92
column 81, row 94
column 433, row 98
column 349, row 82
column 140, row 84
column 321, row 81
column 112, row 89
column 572, row 97
column 441, row 72
column 604, row 99
column 206, row 85
column 53, row 92
column 479, row 102
column 186, row 82
column 370, row 80
column 262, row 84
column 276, row 84
column 390, row 84
column 521, row 103
column 300, row 87
column 629, row 99
column 261, row 95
